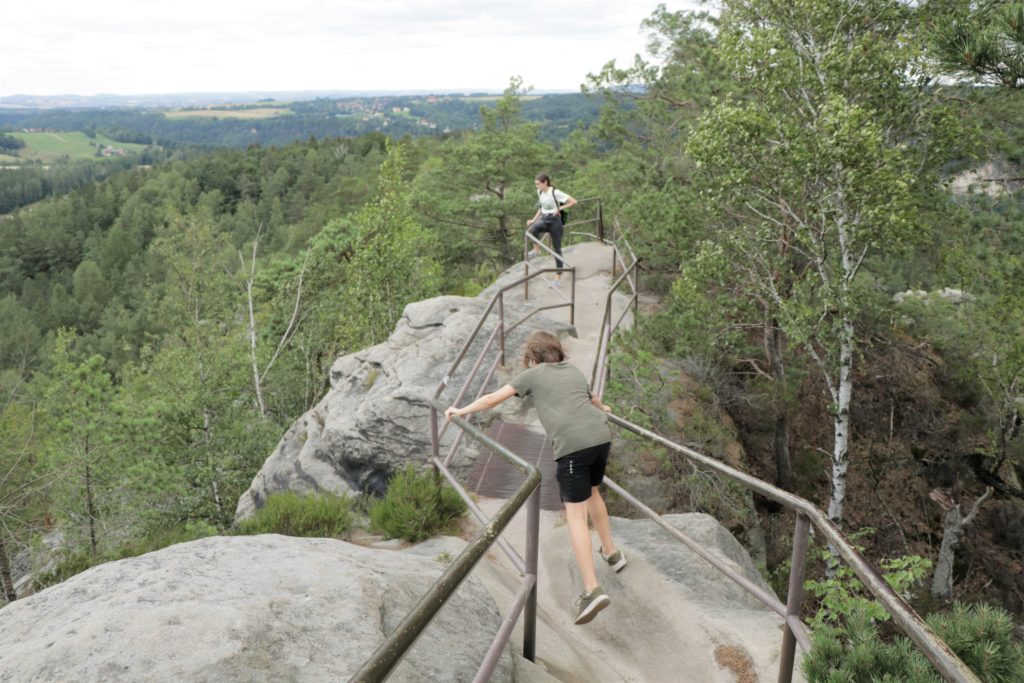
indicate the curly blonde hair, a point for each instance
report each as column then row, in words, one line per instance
column 542, row 347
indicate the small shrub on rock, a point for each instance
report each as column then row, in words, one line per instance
column 981, row 635
column 416, row 507
column 321, row 515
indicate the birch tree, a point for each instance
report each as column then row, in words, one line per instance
column 819, row 166
column 391, row 264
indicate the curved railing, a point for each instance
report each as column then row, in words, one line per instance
column 807, row 515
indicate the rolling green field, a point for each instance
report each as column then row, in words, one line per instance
column 495, row 98
column 53, row 146
column 261, row 113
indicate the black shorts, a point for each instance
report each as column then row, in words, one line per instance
column 580, row 471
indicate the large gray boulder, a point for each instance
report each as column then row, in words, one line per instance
column 257, row 608
column 376, row 416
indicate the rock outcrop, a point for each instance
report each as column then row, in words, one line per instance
column 255, row 608
column 376, row 416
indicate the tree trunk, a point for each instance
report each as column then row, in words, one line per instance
column 6, row 581
column 952, row 532
column 90, row 509
column 776, row 347
column 252, row 352
column 214, row 470
column 252, row 323
column 504, row 238
column 841, row 423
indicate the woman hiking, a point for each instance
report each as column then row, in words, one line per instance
column 576, row 422
column 551, row 203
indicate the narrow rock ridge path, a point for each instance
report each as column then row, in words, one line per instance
column 650, row 632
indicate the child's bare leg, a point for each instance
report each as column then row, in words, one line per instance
column 582, row 548
column 599, row 515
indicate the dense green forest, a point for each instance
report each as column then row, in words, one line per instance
column 834, row 235
column 28, row 184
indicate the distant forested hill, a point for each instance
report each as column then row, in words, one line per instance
column 281, row 123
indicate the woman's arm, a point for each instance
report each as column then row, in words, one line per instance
column 597, row 402
column 569, row 202
column 485, row 402
column 534, row 219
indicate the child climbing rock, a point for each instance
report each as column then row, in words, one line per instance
column 576, row 422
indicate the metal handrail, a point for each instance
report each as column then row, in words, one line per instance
column 499, row 299
column 599, row 372
column 390, row 652
column 808, row 514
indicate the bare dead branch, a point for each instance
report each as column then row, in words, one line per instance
column 977, row 506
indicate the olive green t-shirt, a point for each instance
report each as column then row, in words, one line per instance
column 562, row 399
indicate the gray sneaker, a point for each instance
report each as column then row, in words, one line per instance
column 616, row 560
column 590, row 604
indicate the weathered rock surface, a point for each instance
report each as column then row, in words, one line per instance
column 672, row 616
column 996, row 178
column 255, row 608
column 376, row 416
column 671, row 585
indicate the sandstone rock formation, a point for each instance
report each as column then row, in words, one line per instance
column 278, row 608
column 375, row 417
column 254, row 608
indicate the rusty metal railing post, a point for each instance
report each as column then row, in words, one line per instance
column 501, row 326
column 794, row 597
column 526, row 268
column 572, row 298
column 636, row 293
column 435, row 441
column 532, row 541
column 600, row 221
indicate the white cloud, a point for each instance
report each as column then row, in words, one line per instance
column 114, row 46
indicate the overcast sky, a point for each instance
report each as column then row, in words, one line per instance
column 50, row 47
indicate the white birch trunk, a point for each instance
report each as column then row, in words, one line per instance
column 252, row 325
column 844, row 389
column 841, row 423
